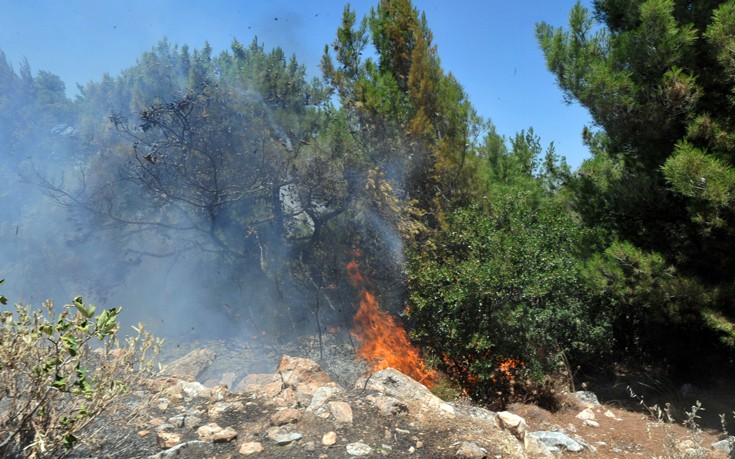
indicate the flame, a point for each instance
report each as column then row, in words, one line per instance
column 383, row 342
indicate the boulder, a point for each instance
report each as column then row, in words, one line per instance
column 305, row 375
column 190, row 366
column 395, row 384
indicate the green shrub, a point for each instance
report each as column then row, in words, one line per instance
column 60, row 371
column 502, row 296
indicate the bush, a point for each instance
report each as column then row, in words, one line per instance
column 60, row 371
column 502, row 297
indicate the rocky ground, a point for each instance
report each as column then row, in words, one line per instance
column 204, row 407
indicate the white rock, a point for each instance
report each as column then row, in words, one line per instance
column 557, row 441
column 586, row 414
column 359, row 449
column 283, row 435
column 591, row 423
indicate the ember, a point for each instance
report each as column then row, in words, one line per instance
column 383, row 342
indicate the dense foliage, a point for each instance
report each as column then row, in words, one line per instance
column 656, row 76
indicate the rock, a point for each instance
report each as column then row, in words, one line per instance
column 342, row 413
column 283, row 417
column 393, row 383
column 470, row 450
column 252, row 447
column 591, row 423
column 586, row 414
column 194, row 389
column 216, row 434
column 513, row 423
column 167, row 439
column 359, row 449
column 557, row 441
column 185, row 420
column 225, row 435
column 218, row 409
column 723, row 445
column 536, row 449
column 303, row 374
column 388, row 406
column 251, row 382
column 310, row 447
column 323, row 394
column 476, row 413
column 283, row 435
column 194, row 449
column 329, row 438
column 587, row 398
column 190, row 366
column 584, row 443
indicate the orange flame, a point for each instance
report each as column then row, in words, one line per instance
column 383, row 342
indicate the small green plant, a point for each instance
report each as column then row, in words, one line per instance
column 60, row 371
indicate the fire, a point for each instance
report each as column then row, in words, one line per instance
column 383, row 342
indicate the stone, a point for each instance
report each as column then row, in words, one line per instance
column 591, row 423
column 723, row 445
column 283, row 435
column 218, row 409
column 216, row 434
column 249, row 448
column 329, row 438
column 513, row 423
column 393, row 383
column 587, row 398
column 283, row 417
column 388, row 406
column 185, row 420
column 226, row 435
column 167, row 439
column 470, row 450
column 195, row 449
column 310, row 447
column 322, row 395
column 190, row 366
column 359, row 449
column 341, row 412
column 557, row 441
column 536, row 449
column 194, row 389
column 303, row 374
column 586, row 414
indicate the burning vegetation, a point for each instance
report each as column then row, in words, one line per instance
column 383, row 342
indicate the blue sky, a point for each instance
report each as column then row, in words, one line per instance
column 488, row 45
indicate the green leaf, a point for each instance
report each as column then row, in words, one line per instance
column 46, row 328
column 86, row 311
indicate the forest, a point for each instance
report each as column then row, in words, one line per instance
column 231, row 190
